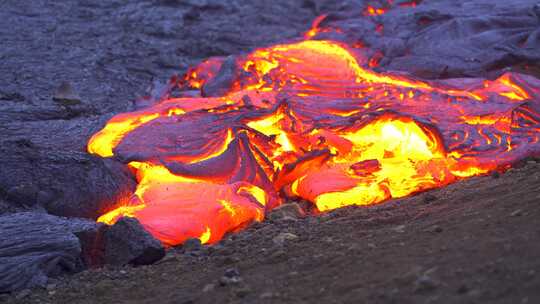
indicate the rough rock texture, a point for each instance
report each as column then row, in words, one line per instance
column 287, row 212
column 36, row 246
column 109, row 52
column 65, row 182
column 93, row 246
column 128, row 242
column 220, row 85
column 444, row 38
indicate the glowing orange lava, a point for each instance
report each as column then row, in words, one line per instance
column 307, row 119
column 372, row 11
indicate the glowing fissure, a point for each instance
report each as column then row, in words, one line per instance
column 309, row 119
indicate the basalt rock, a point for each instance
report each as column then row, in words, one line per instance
column 486, row 36
column 93, row 246
column 43, row 167
column 219, row 85
column 127, row 242
column 287, row 212
column 37, row 246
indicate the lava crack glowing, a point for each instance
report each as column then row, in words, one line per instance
column 309, row 120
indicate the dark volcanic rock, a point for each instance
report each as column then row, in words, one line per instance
column 192, row 245
column 63, row 182
column 93, row 246
column 128, row 242
column 287, row 212
column 442, row 39
column 221, row 84
column 36, row 246
column 66, row 94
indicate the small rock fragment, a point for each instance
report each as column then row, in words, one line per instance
column 215, row 249
column 231, row 276
column 516, row 213
column 192, row 244
column 227, row 260
column 66, row 95
column 23, row 294
column 242, row 291
column 281, row 238
column 268, row 295
column 399, row 229
column 424, row 283
column 223, row 81
column 256, row 225
column 429, row 198
column 231, row 272
column 287, row 212
column 208, row 287
column 463, row 289
column 354, row 247
column 226, row 281
column 169, row 258
column 435, row 229
column 277, row 256
column 328, row 239
column 92, row 246
column 128, row 242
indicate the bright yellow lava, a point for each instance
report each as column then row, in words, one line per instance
column 103, row 142
column 400, row 148
column 110, row 218
column 271, row 126
column 227, row 207
column 205, row 236
column 256, row 192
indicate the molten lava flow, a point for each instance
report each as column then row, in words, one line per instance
column 390, row 157
column 187, row 207
column 309, row 119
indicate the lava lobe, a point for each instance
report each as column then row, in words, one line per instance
column 309, row 119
